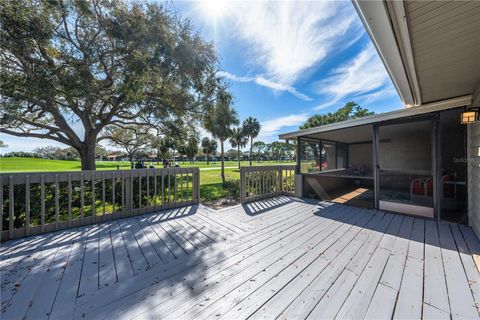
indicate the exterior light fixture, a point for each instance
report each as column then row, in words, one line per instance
column 469, row 116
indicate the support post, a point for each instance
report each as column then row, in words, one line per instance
column 376, row 167
column 242, row 185
column 436, row 174
column 298, row 151
column 299, row 185
column 196, row 185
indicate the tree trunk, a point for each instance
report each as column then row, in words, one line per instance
column 223, row 161
column 87, row 156
column 251, row 143
column 238, row 156
column 208, row 160
column 132, row 165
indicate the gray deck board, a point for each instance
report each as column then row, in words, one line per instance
column 237, row 267
column 435, row 287
column 202, row 261
column 275, row 258
column 461, row 300
column 280, row 293
column 471, row 270
column 303, row 268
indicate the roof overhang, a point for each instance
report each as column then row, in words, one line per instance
column 383, row 117
column 393, row 47
column 429, row 48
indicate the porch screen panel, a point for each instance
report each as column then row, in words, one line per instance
column 329, row 156
column 309, row 156
column 405, row 159
column 342, row 154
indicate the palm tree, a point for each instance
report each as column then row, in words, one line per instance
column 209, row 147
column 238, row 140
column 219, row 119
column 251, row 127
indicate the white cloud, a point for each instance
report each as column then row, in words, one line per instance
column 363, row 74
column 288, row 38
column 325, row 105
column 266, row 83
column 271, row 128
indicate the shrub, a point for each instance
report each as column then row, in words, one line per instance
column 233, row 187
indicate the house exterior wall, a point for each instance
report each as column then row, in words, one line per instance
column 406, row 151
column 474, row 176
column 361, row 154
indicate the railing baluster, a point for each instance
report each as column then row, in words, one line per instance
column 114, row 207
column 93, row 208
column 175, row 187
column 163, row 190
column 181, row 186
column 1, row 207
column 69, row 199
column 57, row 204
column 148, row 189
column 140, row 191
column 130, row 193
column 42, row 203
column 82, row 199
column 169, row 189
column 155, row 190
column 27, row 205
column 123, row 194
column 11, row 207
column 188, row 189
column 264, row 190
column 103, row 196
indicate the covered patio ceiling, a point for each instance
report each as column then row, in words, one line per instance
column 429, row 48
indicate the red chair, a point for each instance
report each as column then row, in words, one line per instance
column 430, row 187
column 448, row 188
column 417, row 187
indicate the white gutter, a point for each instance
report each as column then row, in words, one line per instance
column 403, row 113
column 376, row 19
column 397, row 9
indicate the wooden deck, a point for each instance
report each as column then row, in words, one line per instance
column 278, row 258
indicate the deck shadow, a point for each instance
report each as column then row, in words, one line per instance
column 261, row 206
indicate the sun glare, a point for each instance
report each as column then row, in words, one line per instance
column 215, row 8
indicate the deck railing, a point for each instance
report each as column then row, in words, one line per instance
column 34, row 203
column 266, row 181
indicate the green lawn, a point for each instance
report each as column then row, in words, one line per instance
column 211, row 187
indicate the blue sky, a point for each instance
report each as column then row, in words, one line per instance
column 285, row 61
column 288, row 60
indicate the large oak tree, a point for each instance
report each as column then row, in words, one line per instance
column 71, row 69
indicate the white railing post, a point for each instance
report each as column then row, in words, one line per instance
column 11, row 207
column 280, row 180
column 1, row 207
column 242, row 185
column 196, row 185
column 27, row 205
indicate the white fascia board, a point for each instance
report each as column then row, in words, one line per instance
column 376, row 19
column 387, row 116
column 399, row 17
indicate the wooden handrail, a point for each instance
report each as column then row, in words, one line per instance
column 259, row 182
column 37, row 202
